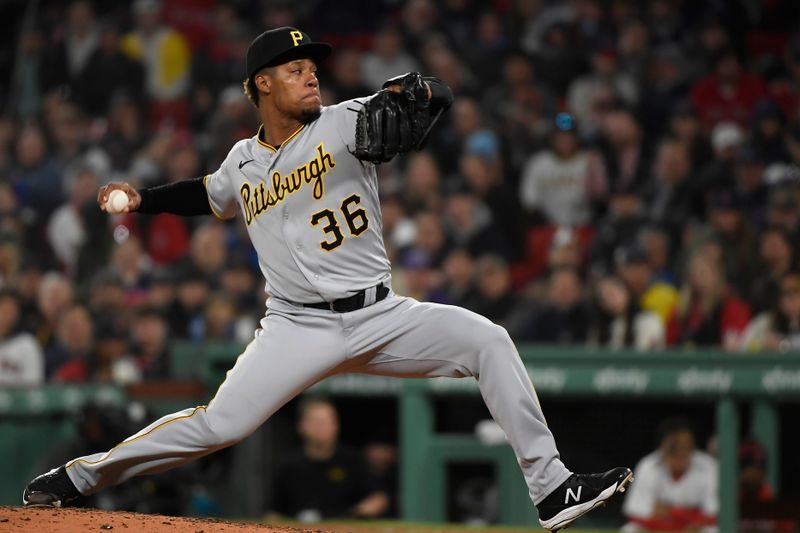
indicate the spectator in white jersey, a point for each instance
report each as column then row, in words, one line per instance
column 676, row 485
column 561, row 184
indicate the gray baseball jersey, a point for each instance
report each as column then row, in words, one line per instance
column 310, row 207
column 312, row 212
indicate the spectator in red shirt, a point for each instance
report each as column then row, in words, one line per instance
column 708, row 313
column 729, row 93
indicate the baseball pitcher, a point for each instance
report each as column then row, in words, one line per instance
column 307, row 191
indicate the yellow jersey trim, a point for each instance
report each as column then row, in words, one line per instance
column 274, row 149
column 205, row 184
column 128, row 441
column 293, row 135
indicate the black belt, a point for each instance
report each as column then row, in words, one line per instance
column 351, row 303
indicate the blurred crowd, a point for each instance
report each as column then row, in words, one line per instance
column 613, row 173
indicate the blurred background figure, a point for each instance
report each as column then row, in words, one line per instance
column 620, row 323
column 72, row 357
column 776, row 258
column 676, row 487
column 325, row 479
column 633, row 266
column 673, row 196
column 165, row 55
column 494, row 297
column 150, row 343
column 387, row 59
column 21, row 358
column 560, row 186
column 728, row 93
column 605, row 75
column 77, row 230
column 564, row 316
column 619, row 227
column 382, row 460
column 708, row 313
column 777, row 329
column 753, row 484
column 754, row 488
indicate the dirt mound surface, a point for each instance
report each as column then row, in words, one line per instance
column 28, row 519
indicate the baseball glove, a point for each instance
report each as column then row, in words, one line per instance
column 392, row 123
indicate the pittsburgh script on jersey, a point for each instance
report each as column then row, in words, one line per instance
column 257, row 200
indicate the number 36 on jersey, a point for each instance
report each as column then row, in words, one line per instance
column 355, row 218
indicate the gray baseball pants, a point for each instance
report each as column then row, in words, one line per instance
column 296, row 347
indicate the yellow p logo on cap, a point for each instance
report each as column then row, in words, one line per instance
column 296, row 36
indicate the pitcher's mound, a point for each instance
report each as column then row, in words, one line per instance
column 82, row 520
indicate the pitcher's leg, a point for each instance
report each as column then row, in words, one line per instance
column 275, row 367
column 440, row 340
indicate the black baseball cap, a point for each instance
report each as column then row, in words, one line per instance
column 281, row 45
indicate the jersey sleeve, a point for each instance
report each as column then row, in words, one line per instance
column 220, row 190
column 344, row 115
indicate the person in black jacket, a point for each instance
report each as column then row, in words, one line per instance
column 324, row 479
column 565, row 318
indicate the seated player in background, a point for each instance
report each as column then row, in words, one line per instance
column 755, row 490
column 324, row 479
column 676, row 486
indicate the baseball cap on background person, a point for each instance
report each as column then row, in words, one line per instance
column 281, row 45
column 752, row 454
column 483, row 143
column 566, row 122
column 726, row 136
column 752, row 476
column 564, row 136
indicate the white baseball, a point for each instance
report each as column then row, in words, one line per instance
column 117, row 201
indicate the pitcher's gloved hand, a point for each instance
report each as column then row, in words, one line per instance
column 394, row 121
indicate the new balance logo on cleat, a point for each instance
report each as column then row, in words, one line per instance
column 576, row 497
column 581, row 493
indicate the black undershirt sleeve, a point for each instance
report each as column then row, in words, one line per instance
column 441, row 95
column 186, row 198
